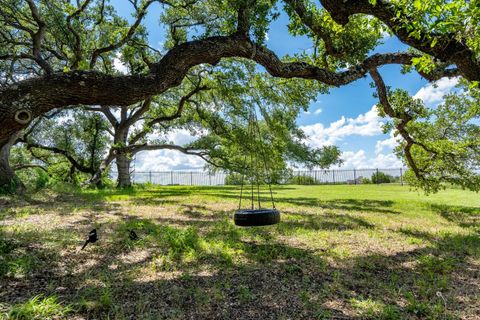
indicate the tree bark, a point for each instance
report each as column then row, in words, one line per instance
column 123, row 168
column 97, row 176
column 7, row 174
column 122, row 159
column 8, row 180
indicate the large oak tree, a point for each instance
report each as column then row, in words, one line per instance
column 214, row 105
column 56, row 54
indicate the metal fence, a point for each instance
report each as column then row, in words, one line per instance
column 305, row 177
column 191, row 178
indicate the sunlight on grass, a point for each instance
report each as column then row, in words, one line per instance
column 39, row 307
column 370, row 252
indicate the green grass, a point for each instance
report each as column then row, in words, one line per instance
column 38, row 308
column 366, row 252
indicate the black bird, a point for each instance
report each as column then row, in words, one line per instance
column 92, row 238
column 133, row 235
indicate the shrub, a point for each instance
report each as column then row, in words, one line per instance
column 10, row 188
column 365, row 181
column 234, row 179
column 42, row 179
column 302, row 180
column 380, row 177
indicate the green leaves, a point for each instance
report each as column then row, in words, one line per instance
column 417, row 4
column 424, row 63
column 446, row 146
column 238, row 89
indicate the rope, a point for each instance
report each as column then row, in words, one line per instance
column 249, row 134
column 252, row 125
column 241, row 186
column 251, row 179
column 258, row 184
column 262, row 152
column 243, row 171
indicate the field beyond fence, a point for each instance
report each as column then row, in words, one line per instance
column 298, row 177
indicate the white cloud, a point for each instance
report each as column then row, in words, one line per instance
column 316, row 112
column 166, row 160
column 119, row 65
column 353, row 159
column 180, row 137
column 385, row 161
column 360, row 160
column 367, row 124
column 433, row 93
column 385, row 34
column 388, row 143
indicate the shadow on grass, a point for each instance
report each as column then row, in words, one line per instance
column 374, row 206
column 162, row 196
column 293, row 221
column 465, row 217
column 234, row 273
column 200, row 266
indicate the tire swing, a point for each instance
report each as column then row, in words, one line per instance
column 258, row 216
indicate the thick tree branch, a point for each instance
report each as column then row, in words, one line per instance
column 308, row 18
column 135, row 148
column 37, row 37
column 403, row 121
column 243, row 18
column 110, row 117
column 123, row 113
column 448, row 47
column 97, row 175
column 66, row 154
column 138, row 113
column 77, row 47
column 57, row 90
column 178, row 113
column 114, row 46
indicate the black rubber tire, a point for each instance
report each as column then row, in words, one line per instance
column 256, row 217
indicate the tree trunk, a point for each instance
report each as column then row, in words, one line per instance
column 8, row 181
column 7, row 175
column 96, row 178
column 123, row 169
column 122, row 158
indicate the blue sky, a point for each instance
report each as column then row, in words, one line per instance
column 343, row 117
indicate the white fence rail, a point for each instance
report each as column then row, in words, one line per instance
column 341, row 176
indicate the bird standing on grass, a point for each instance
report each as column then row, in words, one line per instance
column 133, row 235
column 92, row 238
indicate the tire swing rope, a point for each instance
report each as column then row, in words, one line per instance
column 259, row 216
column 252, row 124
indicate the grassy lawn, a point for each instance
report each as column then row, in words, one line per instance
column 340, row 252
